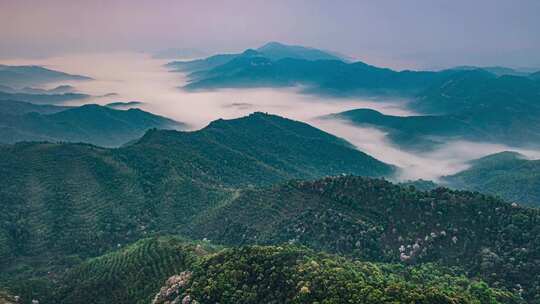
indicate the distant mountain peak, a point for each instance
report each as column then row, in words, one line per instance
column 251, row 52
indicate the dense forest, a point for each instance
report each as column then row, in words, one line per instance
column 198, row 272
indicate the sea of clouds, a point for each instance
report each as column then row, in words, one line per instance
column 139, row 77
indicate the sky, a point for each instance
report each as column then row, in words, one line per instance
column 398, row 34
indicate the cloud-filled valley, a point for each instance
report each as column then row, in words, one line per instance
column 139, row 77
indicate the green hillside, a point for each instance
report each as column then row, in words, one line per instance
column 63, row 203
column 506, row 174
column 93, row 124
column 471, row 105
column 372, row 219
column 255, row 274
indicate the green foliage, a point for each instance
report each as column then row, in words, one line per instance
column 289, row 274
column 63, row 203
column 471, row 105
column 131, row 275
column 507, row 174
column 93, row 124
column 372, row 219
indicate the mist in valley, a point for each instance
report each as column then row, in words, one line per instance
column 139, row 77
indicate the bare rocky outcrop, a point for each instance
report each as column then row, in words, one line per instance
column 174, row 290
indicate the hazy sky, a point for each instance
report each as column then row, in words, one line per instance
column 400, row 33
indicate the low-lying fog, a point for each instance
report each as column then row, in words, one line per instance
column 138, row 77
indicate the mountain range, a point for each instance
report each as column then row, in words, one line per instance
column 271, row 50
column 323, row 76
column 275, row 65
column 470, row 105
column 65, row 205
column 29, row 76
column 112, row 204
column 104, row 126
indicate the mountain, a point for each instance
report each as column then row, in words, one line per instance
column 201, row 64
column 276, row 51
column 23, row 76
column 276, row 64
column 496, row 70
column 535, row 76
column 322, row 76
column 474, row 91
column 11, row 107
column 420, row 133
column 472, row 105
column 272, row 50
column 377, row 221
column 89, row 123
column 47, row 98
column 195, row 273
column 61, row 203
column 269, row 148
column 507, row 174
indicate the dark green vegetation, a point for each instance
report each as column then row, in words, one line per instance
column 507, row 174
column 63, row 203
column 471, row 105
column 272, row 50
column 131, row 275
column 24, row 76
column 372, row 219
column 413, row 132
column 420, row 184
column 472, row 91
column 257, row 274
column 64, row 209
column 21, row 121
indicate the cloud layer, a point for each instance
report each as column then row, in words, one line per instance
column 139, row 77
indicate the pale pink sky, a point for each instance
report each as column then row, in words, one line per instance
column 423, row 33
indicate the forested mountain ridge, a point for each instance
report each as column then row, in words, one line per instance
column 80, row 200
column 20, row 121
column 509, row 175
column 468, row 105
column 376, row 220
column 202, row 273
